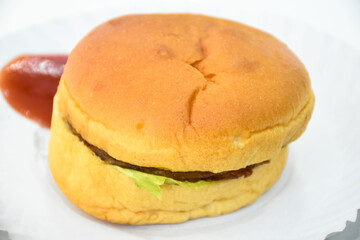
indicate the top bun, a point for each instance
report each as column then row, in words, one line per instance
column 186, row 92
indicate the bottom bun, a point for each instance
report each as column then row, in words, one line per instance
column 106, row 193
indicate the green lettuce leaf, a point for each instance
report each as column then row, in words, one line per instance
column 153, row 183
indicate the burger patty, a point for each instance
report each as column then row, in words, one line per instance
column 191, row 176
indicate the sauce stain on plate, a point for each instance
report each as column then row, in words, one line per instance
column 29, row 83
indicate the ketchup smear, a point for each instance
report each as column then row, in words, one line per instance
column 29, row 83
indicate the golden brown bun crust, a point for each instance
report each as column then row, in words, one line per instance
column 108, row 194
column 138, row 69
column 179, row 92
column 186, row 92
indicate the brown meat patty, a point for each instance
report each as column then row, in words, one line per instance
column 192, row 176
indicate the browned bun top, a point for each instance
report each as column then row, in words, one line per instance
column 174, row 71
column 166, row 75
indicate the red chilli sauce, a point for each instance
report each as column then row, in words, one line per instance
column 29, row 83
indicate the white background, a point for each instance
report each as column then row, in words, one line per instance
column 340, row 19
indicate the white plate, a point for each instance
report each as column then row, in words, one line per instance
column 318, row 191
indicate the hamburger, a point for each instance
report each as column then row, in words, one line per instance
column 162, row 118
